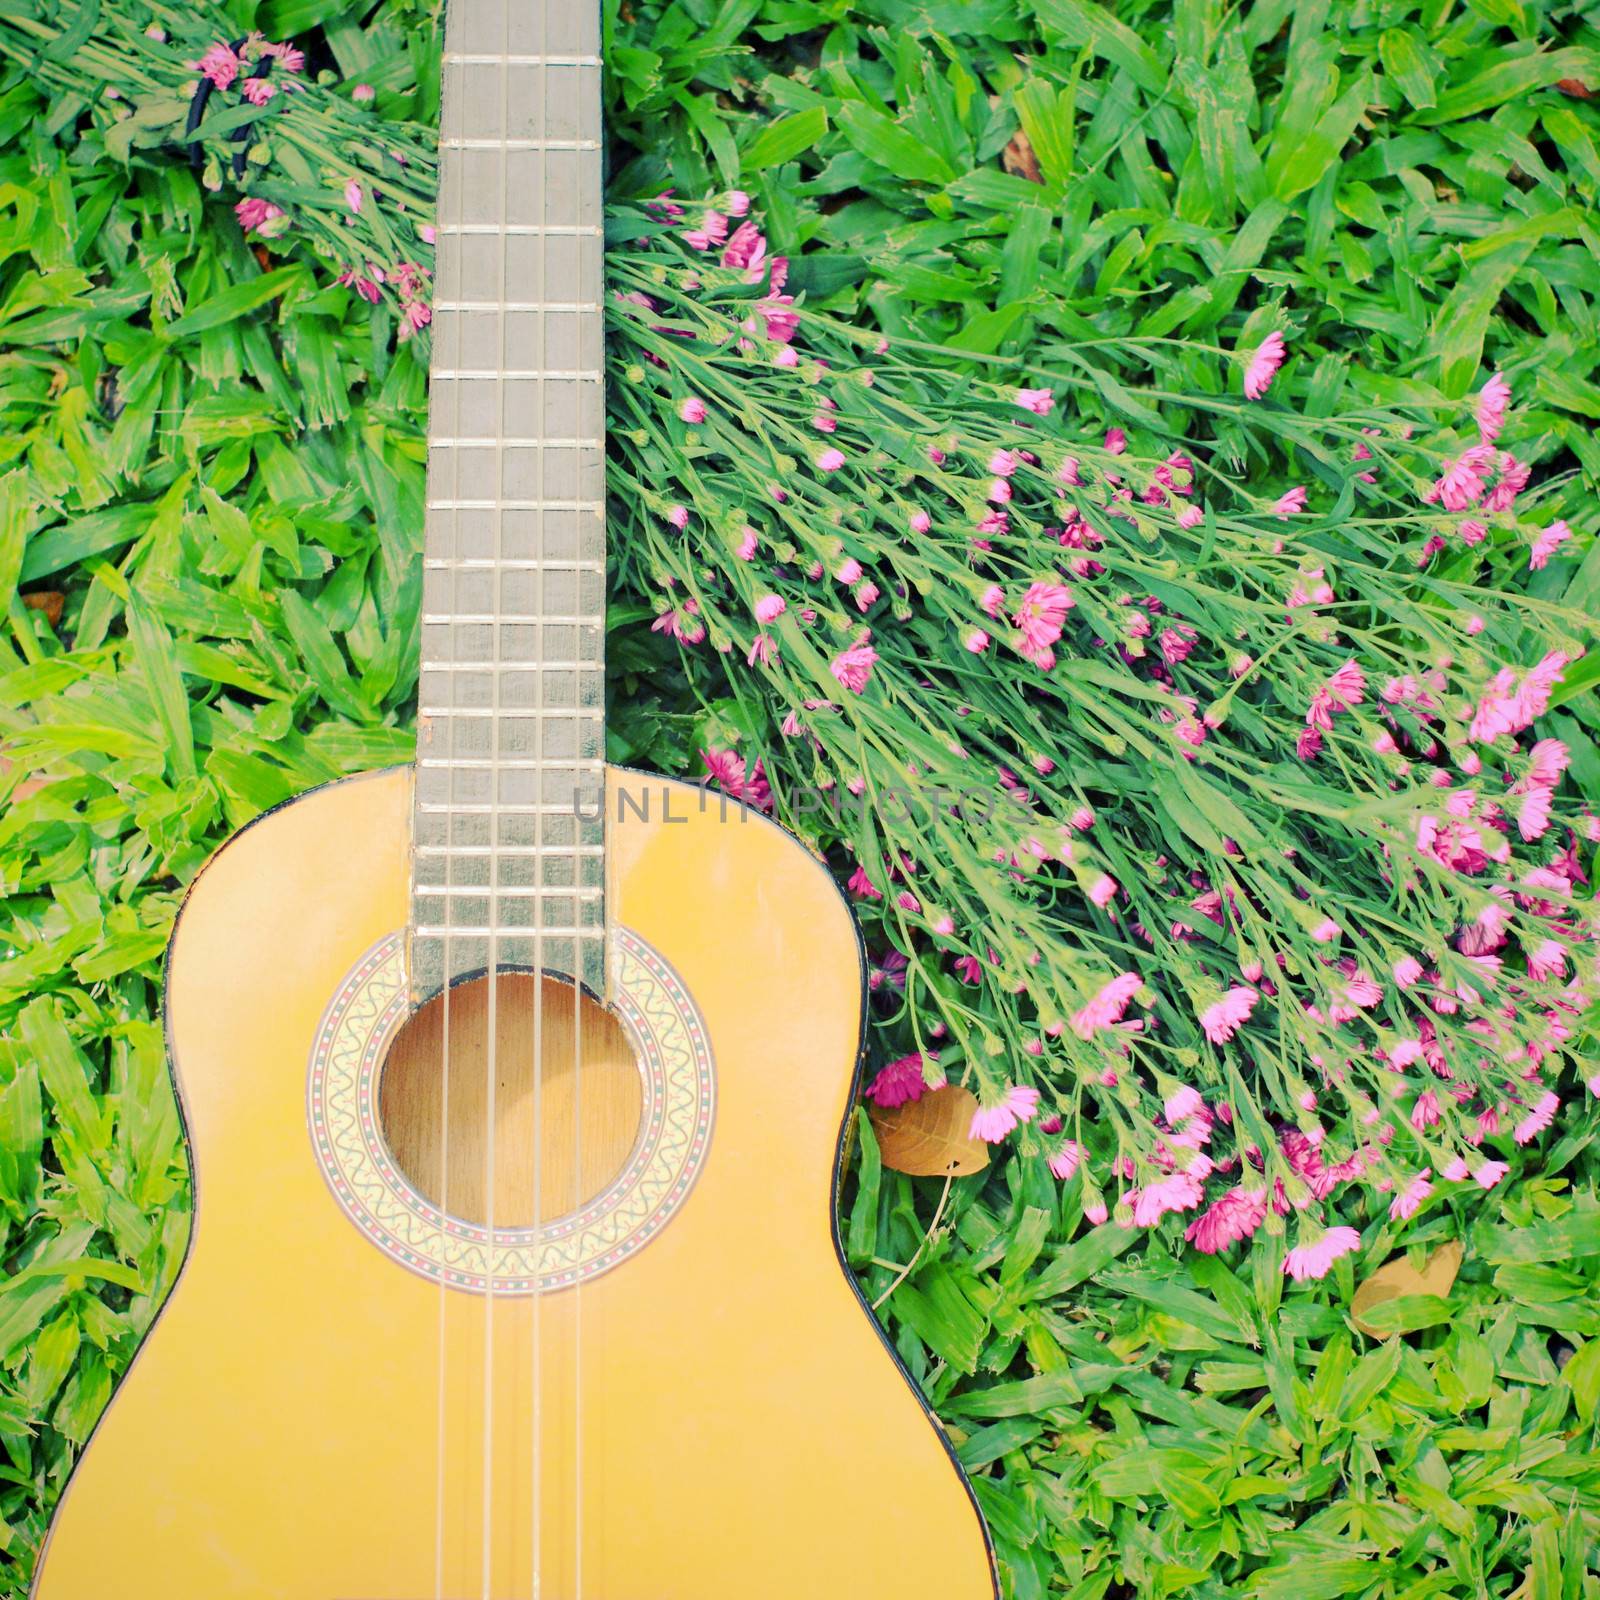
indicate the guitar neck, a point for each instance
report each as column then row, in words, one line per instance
column 508, row 866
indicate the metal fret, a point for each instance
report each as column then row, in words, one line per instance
column 495, row 764
column 489, row 375
column 530, row 564
column 510, row 442
column 518, row 144
column 508, row 666
column 505, row 616
column 549, row 808
column 480, row 851
column 595, row 506
column 519, row 891
column 520, row 230
column 463, row 58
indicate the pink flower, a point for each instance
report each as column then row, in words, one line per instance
column 726, row 768
column 1463, row 481
column 1326, row 931
column 1347, row 686
column 1183, row 1103
column 747, row 249
column 693, row 410
column 1106, row 1008
column 363, row 92
column 737, row 203
column 1548, row 759
column 254, row 214
column 713, row 229
column 367, row 288
column 1533, row 812
column 1538, row 1119
column 1039, row 617
column 1103, row 890
column 1222, row 1019
column 919, row 522
column 290, row 57
column 854, row 666
column 1409, row 1201
column 1116, row 441
column 1190, row 516
column 678, row 516
column 1263, row 365
column 1314, row 1260
column 260, row 90
column 1489, row 1173
column 975, row 640
column 1493, row 398
column 770, row 607
column 1064, row 1162
column 830, row 460
column 901, row 1081
column 1038, row 401
column 1234, row 1217
column 219, row 64
column 1287, row 505
column 1547, row 543
column 352, row 195
column 1549, row 960
column 1513, row 704
column 992, row 1123
column 1514, row 477
column 1178, row 1191
column 1425, row 1110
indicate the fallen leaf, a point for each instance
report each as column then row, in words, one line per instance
column 28, row 786
column 49, row 601
column 1019, row 160
column 1576, row 87
column 1398, row 1277
column 928, row 1137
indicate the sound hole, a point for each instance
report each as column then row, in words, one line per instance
column 582, row 1121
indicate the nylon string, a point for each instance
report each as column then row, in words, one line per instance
column 541, row 414
column 454, row 570
column 496, row 725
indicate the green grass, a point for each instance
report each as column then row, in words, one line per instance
column 218, row 463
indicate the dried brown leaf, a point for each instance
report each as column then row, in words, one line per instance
column 928, row 1137
column 49, row 601
column 1576, row 87
column 1399, row 1277
column 1019, row 160
column 28, row 786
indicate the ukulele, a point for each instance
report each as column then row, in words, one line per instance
column 515, row 1084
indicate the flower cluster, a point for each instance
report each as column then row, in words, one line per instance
column 306, row 160
column 249, row 69
column 1223, row 864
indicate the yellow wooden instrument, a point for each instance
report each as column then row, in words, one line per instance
column 515, row 1084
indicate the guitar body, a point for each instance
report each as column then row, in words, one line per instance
column 702, row 1414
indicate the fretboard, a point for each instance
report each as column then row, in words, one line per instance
column 509, row 833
